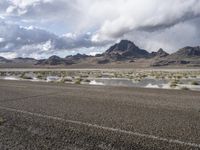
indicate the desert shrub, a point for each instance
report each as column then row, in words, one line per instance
column 78, row 81
column 24, row 76
column 178, row 76
column 131, row 77
column 86, row 80
column 2, row 74
column 144, row 76
column 185, row 88
column 195, row 83
column 27, row 77
column 193, row 76
column 40, row 76
column 66, row 80
column 84, row 76
column 173, row 84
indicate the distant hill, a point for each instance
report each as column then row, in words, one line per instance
column 53, row 60
column 18, row 60
column 68, row 60
column 24, row 60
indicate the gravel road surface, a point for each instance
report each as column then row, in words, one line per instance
column 59, row 116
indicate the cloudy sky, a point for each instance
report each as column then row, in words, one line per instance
column 40, row 28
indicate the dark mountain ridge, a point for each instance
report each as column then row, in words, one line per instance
column 123, row 52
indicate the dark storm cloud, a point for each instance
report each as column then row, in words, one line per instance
column 31, row 39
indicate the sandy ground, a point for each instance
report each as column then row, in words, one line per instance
column 62, row 116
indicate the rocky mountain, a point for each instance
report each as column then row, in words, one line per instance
column 125, row 50
column 159, row 54
column 3, row 60
column 185, row 56
column 187, row 52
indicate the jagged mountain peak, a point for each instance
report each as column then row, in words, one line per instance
column 125, row 49
column 162, row 53
column 160, row 50
column 54, row 57
column 122, row 46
